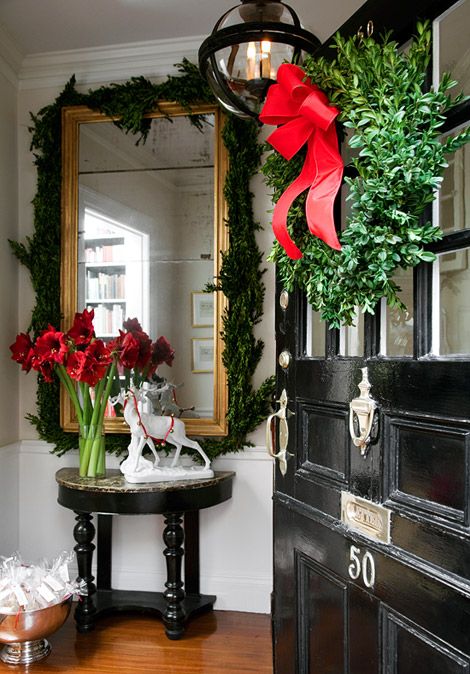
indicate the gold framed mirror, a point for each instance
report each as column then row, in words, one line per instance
column 143, row 231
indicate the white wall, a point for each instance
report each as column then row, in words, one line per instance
column 236, row 550
column 9, row 394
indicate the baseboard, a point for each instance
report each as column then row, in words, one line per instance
column 233, row 594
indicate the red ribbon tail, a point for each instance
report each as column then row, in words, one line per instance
column 319, row 208
column 281, row 210
column 323, row 147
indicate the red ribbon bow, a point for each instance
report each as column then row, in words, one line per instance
column 303, row 110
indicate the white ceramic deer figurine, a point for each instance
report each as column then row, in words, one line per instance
column 145, row 430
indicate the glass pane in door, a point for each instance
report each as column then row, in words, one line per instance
column 454, row 303
column 351, row 337
column 397, row 324
column 315, row 343
column 453, row 45
column 454, row 197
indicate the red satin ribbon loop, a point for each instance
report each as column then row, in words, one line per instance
column 316, row 109
column 303, row 111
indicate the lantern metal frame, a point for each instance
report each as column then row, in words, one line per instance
column 253, row 31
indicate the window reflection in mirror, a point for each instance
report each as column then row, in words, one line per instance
column 143, row 232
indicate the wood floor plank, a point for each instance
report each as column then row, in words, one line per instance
column 219, row 642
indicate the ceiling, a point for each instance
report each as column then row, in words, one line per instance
column 38, row 26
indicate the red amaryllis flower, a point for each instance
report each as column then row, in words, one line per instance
column 162, row 352
column 22, row 351
column 83, row 367
column 115, row 345
column 128, row 351
column 99, row 352
column 82, row 331
column 133, row 326
column 45, row 367
column 145, row 349
column 75, row 364
column 51, row 346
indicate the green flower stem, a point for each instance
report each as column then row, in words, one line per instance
column 109, row 382
column 65, row 379
column 97, row 452
column 87, row 406
column 93, row 436
column 85, row 453
column 96, row 462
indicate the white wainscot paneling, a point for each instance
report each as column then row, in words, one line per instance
column 45, row 528
column 9, row 522
column 236, row 548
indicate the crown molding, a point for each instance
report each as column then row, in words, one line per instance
column 155, row 60
column 10, row 57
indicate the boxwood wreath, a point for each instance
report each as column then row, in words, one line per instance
column 240, row 277
column 395, row 125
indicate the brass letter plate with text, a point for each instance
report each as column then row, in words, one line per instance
column 366, row 517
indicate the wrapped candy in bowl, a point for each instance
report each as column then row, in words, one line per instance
column 35, row 602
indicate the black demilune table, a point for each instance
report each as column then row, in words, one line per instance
column 176, row 501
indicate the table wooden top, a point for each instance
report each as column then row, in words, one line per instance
column 112, row 494
column 115, row 482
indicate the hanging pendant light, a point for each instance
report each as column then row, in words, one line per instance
column 248, row 44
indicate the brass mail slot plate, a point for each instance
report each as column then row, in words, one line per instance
column 370, row 519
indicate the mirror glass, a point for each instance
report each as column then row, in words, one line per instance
column 143, row 232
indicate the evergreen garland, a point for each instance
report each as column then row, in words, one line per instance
column 240, row 276
column 395, row 123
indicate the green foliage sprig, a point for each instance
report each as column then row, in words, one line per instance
column 394, row 125
column 241, row 282
column 40, row 253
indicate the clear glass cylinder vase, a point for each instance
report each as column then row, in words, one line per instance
column 92, row 451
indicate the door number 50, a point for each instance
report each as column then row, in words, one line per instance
column 364, row 567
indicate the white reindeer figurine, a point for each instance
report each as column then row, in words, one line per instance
column 145, row 429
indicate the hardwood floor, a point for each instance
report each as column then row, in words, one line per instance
column 219, row 642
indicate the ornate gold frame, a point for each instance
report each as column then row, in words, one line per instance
column 72, row 117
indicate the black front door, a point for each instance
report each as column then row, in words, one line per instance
column 371, row 545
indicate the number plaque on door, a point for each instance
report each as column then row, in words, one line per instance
column 364, row 568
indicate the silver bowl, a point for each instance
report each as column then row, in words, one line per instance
column 25, row 633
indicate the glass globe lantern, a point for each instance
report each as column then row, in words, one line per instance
column 241, row 57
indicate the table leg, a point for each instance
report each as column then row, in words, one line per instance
column 173, row 536
column 191, row 552
column 84, row 532
column 104, row 553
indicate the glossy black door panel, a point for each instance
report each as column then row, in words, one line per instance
column 344, row 602
column 339, row 622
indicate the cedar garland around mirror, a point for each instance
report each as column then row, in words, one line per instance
column 240, row 277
